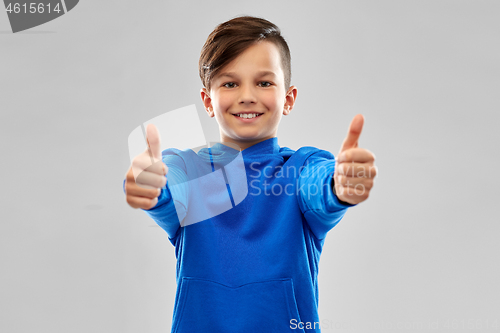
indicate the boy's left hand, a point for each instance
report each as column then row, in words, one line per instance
column 354, row 169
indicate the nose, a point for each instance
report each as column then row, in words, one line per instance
column 247, row 94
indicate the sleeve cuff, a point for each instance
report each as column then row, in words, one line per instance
column 336, row 200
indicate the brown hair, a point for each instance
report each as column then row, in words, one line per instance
column 231, row 38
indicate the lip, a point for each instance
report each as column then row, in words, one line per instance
column 247, row 112
column 247, row 120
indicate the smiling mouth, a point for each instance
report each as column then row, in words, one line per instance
column 248, row 115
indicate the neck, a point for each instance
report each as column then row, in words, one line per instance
column 241, row 144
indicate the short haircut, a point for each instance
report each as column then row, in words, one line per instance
column 231, row 38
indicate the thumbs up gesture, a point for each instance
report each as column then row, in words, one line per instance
column 355, row 169
column 147, row 174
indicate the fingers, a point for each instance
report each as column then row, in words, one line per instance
column 360, row 184
column 359, row 155
column 361, row 170
column 352, row 194
column 153, row 139
column 147, row 174
column 351, row 140
column 146, row 182
column 352, row 190
column 151, row 180
column 142, row 164
column 135, row 190
column 354, row 175
column 143, row 203
column 143, row 195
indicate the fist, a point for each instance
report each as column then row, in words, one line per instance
column 147, row 174
column 355, row 168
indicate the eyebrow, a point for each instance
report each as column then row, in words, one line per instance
column 233, row 75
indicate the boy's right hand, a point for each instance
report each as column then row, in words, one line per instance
column 147, row 174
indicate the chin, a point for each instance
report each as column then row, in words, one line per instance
column 249, row 137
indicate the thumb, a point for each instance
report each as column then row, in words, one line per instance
column 153, row 139
column 351, row 140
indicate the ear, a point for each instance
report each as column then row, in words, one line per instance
column 290, row 98
column 207, row 102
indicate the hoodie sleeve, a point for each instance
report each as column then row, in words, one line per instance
column 320, row 206
column 172, row 202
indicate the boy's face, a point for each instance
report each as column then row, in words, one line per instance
column 251, row 83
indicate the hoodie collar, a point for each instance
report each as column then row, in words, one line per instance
column 220, row 151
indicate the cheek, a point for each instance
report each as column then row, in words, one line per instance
column 222, row 102
column 273, row 101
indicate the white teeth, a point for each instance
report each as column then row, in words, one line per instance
column 244, row 115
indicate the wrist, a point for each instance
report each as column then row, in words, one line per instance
column 335, row 193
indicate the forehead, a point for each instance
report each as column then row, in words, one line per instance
column 262, row 58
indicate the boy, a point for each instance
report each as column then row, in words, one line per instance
column 252, row 268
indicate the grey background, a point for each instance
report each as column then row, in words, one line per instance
column 423, row 250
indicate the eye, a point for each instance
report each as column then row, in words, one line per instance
column 265, row 84
column 229, row 85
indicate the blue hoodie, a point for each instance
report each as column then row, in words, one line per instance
column 253, row 267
